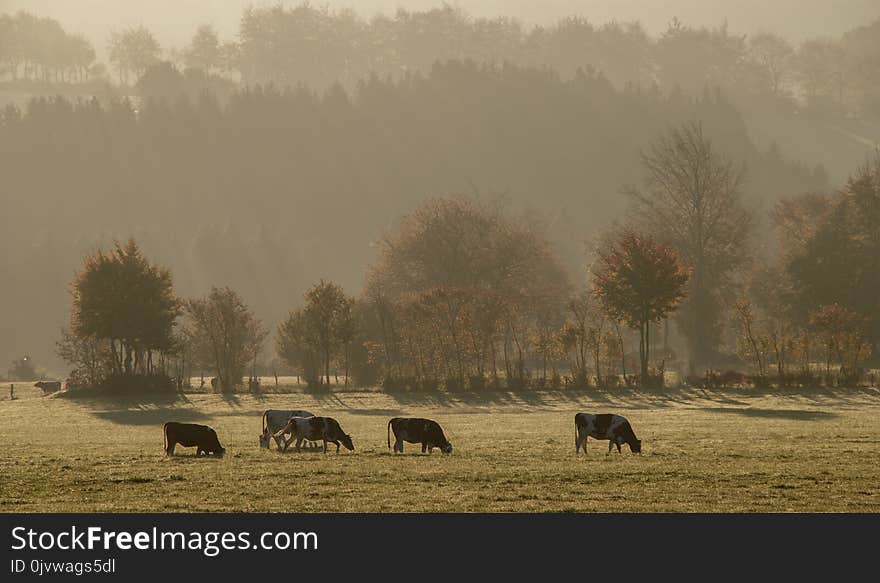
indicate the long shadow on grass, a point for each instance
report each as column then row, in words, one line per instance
column 140, row 409
column 610, row 399
column 334, row 402
column 550, row 399
column 532, row 399
column 823, row 395
column 150, row 416
column 547, row 399
column 795, row 414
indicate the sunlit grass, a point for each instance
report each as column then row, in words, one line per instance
column 719, row 452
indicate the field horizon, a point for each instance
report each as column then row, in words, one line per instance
column 704, row 451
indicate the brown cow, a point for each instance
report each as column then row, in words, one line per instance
column 202, row 437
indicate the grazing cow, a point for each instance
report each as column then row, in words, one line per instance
column 202, row 437
column 315, row 429
column 615, row 428
column 49, row 386
column 275, row 419
column 417, row 430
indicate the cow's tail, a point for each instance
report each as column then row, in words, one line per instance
column 265, row 422
column 165, row 437
column 389, row 433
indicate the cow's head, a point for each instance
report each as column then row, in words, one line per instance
column 216, row 449
column 345, row 439
column 636, row 446
column 215, row 446
column 446, row 448
column 264, row 440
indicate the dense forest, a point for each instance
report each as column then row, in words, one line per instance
column 815, row 97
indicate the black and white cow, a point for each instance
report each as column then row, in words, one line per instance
column 417, row 430
column 275, row 419
column 324, row 429
column 615, row 428
column 202, row 437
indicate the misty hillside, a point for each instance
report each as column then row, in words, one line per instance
column 813, row 92
column 279, row 145
column 279, row 188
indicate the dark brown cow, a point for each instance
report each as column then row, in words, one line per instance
column 202, row 437
column 417, row 430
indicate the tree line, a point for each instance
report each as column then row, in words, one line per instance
column 466, row 295
column 486, row 312
column 39, row 49
column 319, row 47
column 811, row 310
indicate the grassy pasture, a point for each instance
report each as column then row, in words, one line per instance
column 703, row 452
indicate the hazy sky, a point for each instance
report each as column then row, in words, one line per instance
column 173, row 21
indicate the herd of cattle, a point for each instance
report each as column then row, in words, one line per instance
column 287, row 426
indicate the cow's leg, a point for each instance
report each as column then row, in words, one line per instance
column 398, row 445
column 325, row 445
column 286, row 441
column 170, row 450
column 610, row 445
column 424, row 447
column 580, row 440
column 337, row 446
column 617, row 443
column 299, row 441
column 279, row 440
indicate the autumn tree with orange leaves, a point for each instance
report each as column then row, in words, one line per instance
column 639, row 281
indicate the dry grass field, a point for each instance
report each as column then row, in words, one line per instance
column 703, row 452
